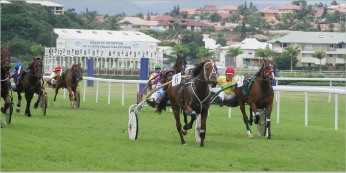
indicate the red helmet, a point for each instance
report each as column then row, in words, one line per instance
column 230, row 70
column 57, row 68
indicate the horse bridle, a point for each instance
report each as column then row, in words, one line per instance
column 213, row 71
column 74, row 72
column 4, row 60
column 266, row 73
column 35, row 68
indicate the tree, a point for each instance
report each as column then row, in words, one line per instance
column 180, row 49
column 189, row 36
column 319, row 55
column 113, row 23
column 204, row 53
column 333, row 3
column 148, row 16
column 234, row 52
column 264, row 53
column 222, row 41
column 292, row 52
column 37, row 50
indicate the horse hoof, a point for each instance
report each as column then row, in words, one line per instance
column 184, row 132
column 17, row 110
column 28, row 115
column 35, row 105
column 185, row 144
column 251, row 136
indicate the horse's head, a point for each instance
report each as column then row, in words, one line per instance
column 77, row 71
column 207, row 69
column 5, row 58
column 180, row 63
column 37, row 67
column 268, row 70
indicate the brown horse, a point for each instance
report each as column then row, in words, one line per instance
column 192, row 96
column 29, row 82
column 260, row 95
column 69, row 79
column 5, row 81
column 180, row 64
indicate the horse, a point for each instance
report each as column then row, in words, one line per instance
column 260, row 95
column 192, row 96
column 29, row 82
column 5, row 80
column 69, row 79
column 180, row 64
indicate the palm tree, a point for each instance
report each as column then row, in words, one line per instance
column 180, row 49
column 234, row 52
column 204, row 53
column 319, row 55
column 264, row 53
column 113, row 23
column 292, row 52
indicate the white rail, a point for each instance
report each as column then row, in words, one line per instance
column 277, row 88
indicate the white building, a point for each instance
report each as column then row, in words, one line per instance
column 56, row 8
column 209, row 42
column 110, row 49
column 249, row 46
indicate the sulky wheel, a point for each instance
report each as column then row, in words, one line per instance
column 132, row 126
column 77, row 99
column 44, row 103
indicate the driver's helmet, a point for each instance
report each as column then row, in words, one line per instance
column 157, row 66
column 57, row 68
column 167, row 70
column 18, row 64
column 230, row 70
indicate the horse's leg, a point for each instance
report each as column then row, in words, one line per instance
column 269, row 108
column 19, row 100
column 253, row 107
column 245, row 118
column 176, row 112
column 7, row 104
column 71, row 95
column 28, row 97
column 38, row 98
column 203, row 130
column 56, row 92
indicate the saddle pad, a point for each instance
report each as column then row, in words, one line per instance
column 247, row 84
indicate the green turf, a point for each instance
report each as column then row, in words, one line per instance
column 94, row 138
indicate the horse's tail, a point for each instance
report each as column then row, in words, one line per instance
column 162, row 104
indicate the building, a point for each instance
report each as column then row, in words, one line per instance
column 56, row 8
column 269, row 12
column 136, row 22
column 332, row 43
column 109, row 49
column 185, row 24
column 209, row 42
column 227, row 9
column 289, row 8
column 249, row 46
column 208, row 8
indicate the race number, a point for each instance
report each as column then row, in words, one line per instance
column 176, row 79
column 240, row 81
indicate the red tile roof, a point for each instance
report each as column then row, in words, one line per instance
column 224, row 15
column 229, row 43
column 269, row 9
column 290, row 7
column 318, row 11
column 209, row 8
column 228, row 7
column 162, row 17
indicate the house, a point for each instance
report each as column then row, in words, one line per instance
column 208, row 8
column 269, row 12
column 56, row 8
column 209, row 42
column 100, row 19
column 162, row 17
column 227, row 9
column 318, row 12
column 289, row 8
column 190, row 11
column 207, row 22
column 136, row 22
column 332, row 43
column 249, row 46
column 224, row 15
column 185, row 24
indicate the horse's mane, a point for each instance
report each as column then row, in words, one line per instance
column 198, row 68
column 258, row 74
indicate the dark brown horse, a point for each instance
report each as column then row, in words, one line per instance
column 180, row 64
column 192, row 96
column 69, row 79
column 5, row 81
column 260, row 95
column 29, row 82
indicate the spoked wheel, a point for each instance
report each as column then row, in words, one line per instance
column 198, row 128
column 9, row 111
column 44, row 103
column 77, row 99
column 132, row 126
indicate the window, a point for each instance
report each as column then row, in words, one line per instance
column 284, row 45
column 64, row 31
column 339, row 55
column 330, row 55
column 94, row 32
column 109, row 32
column 250, row 53
column 137, row 33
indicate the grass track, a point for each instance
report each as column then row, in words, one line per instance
column 94, row 138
